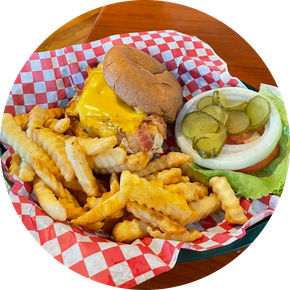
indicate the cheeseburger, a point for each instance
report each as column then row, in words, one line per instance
column 129, row 95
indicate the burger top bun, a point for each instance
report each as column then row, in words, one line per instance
column 142, row 82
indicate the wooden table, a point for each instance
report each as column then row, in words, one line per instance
column 243, row 62
column 135, row 16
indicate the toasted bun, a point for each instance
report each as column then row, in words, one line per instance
column 142, row 82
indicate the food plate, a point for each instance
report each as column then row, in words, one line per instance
column 49, row 79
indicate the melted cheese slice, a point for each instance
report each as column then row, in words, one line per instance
column 101, row 111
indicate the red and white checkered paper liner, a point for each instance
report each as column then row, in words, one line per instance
column 47, row 79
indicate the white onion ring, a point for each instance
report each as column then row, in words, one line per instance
column 233, row 157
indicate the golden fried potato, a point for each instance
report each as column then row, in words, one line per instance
column 154, row 218
column 189, row 236
column 23, row 119
column 36, row 119
column 81, row 167
column 72, row 210
column 114, row 183
column 56, row 113
column 108, row 159
column 55, row 147
column 202, row 208
column 129, row 231
column 170, row 176
column 15, row 162
column 58, row 126
column 132, row 163
column 172, row 159
column 49, row 179
column 234, row 213
column 103, row 210
column 95, row 146
column 93, row 201
column 96, row 227
column 48, row 201
column 191, row 191
column 26, row 172
column 25, row 146
column 153, row 195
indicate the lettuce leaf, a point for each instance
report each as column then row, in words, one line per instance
column 272, row 178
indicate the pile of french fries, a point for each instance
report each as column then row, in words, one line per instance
column 96, row 184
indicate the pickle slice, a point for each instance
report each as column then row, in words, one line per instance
column 259, row 111
column 210, row 145
column 232, row 105
column 198, row 123
column 203, row 102
column 238, row 122
column 216, row 97
column 217, row 112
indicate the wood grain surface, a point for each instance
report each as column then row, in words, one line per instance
column 187, row 273
column 73, row 32
column 134, row 16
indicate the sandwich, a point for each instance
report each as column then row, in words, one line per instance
column 129, row 95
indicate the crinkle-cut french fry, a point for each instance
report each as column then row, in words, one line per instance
column 21, row 168
column 202, row 208
column 114, row 183
column 172, row 159
column 185, row 179
column 234, row 213
column 94, row 201
column 22, row 121
column 154, row 218
column 94, row 146
column 191, row 191
column 58, row 126
column 108, row 159
column 169, row 176
column 117, row 214
column 132, row 163
column 129, row 231
column 153, row 195
column 26, row 172
column 103, row 210
column 49, row 179
column 55, row 147
column 56, row 113
column 81, row 167
column 189, row 236
column 15, row 162
column 72, row 210
column 24, row 145
column 36, row 119
column 96, row 227
column 48, row 201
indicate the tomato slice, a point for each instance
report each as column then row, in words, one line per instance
column 239, row 139
column 262, row 164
